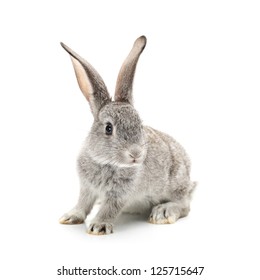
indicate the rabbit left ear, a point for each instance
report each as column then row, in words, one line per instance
column 90, row 82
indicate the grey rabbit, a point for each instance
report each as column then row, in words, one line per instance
column 129, row 167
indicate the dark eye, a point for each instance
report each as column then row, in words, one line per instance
column 109, row 129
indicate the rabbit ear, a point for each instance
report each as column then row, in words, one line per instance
column 90, row 82
column 125, row 77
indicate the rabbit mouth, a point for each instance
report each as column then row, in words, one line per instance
column 135, row 160
column 127, row 162
column 129, row 159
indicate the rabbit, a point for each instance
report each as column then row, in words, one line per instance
column 124, row 164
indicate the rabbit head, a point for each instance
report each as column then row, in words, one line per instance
column 117, row 136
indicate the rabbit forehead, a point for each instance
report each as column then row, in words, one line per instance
column 120, row 114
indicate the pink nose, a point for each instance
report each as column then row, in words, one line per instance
column 135, row 155
column 132, row 156
column 135, row 152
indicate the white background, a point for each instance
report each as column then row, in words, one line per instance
column 198, row 80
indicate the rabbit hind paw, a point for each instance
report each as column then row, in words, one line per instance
column 163, row 214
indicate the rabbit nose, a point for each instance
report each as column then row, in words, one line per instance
column 134, row 159
column 135, row 153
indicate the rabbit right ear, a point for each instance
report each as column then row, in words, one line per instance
column 90, row 82
column 124, row 84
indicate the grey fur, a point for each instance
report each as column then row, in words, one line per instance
column 134, row 169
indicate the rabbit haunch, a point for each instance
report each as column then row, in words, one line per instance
column 128, row 166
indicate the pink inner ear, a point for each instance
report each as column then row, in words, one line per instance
column 82, row 78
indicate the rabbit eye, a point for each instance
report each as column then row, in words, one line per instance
column 109, row 129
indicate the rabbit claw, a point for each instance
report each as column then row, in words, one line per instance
column 100, row 228
column 72, row 219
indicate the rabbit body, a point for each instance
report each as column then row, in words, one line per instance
column 128, row 166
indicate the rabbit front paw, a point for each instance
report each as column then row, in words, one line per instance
column 100, row 228
column 162, row 214
column 73, row 217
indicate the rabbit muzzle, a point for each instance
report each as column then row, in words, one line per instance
column 134, row 155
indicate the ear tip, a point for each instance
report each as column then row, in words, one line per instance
column 67, row 49
column 63, row 45
column 141, row 42
column 143, row 38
